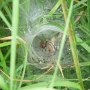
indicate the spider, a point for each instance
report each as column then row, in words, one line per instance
column 48, row 45
column 43, row 44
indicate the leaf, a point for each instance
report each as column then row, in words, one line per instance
column 3, row 84
column 84, row 45
column 2, row 16
column 66, row 83
column 57, row 83
column 38, row 88
column 55, row 7
column 5, row 44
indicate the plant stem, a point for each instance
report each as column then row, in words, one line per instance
column 88, row 13
column 62, row 45
column 72, row 44
column 15, row 18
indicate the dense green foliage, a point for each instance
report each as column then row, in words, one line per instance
column 44, row 44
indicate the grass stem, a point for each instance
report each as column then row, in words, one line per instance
column 15, row 18
column 62, row 45
column 72, row 44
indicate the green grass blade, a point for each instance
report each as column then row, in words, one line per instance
column 88, row 13
column 7, row 54
column 3, row 85
column 62, row 44
column 5, row 20
column 3, row 61
column 84, row 45
column 58, row 83
column 83, row 64
column 8, row 12
column 15, row 18
column 5, row 44
column 55, row 7
column 73, row 45
column 79, row 3
column 25, row 60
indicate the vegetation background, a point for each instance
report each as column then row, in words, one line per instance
column 21, row 21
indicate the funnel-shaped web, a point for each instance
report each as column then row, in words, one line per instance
column 43, row 40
